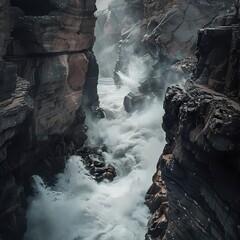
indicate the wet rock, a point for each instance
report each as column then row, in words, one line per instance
column 199, row 167
column 164, row 35
column 47, row 70
column 134, row 101
column 166, row 30
column 97, row 112
column 94, row 160
column 185, row 67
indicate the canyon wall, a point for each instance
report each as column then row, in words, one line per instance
column 163, row 35
column 48, row 78
column 195, row 192
column 48, row 75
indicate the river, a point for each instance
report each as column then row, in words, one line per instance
column 77, row 207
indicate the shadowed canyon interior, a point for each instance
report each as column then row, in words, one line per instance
column 119, row 119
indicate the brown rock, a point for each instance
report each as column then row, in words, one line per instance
column 50, row 49
column 78, row 65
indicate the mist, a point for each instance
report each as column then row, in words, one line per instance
column 102, row 4
column 110, row 16
column 79, row 208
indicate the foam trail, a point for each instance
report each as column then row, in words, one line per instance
column 78, row 208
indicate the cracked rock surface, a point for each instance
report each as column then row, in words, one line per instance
column 48, row 75
column 165, row 30
column 198, row 176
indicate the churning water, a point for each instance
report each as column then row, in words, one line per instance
column 77, row 207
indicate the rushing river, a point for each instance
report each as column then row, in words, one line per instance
column 77, row 207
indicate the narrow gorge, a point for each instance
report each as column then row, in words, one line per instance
column 119, row 120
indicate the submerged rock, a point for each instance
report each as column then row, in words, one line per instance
column 97, row 112
column 134, row 101
column 93, row 159
column 166, row 31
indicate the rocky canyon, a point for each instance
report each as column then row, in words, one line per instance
column 61, row 62
column 48, row 73
column 195, row 190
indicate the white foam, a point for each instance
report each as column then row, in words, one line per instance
column 79, row 208
column 102, row 4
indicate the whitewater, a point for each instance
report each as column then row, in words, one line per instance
column 79, row 208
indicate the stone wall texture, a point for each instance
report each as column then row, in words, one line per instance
column 47, row 73
column 195, row 192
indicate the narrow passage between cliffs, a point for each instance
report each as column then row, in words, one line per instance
column 78, row 207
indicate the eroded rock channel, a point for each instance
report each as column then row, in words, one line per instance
column 78, row 149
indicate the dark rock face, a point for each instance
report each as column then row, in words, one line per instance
column 48, row 75
column 163, row 34
column 218, row 57
column 195, row 192
column 199, row 166
column 165, row 30
column 94, row 161
column 133, row 102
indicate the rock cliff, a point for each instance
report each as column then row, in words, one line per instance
column 163, row 34
column 166, row 30
column 48, row 74
column 195, row 192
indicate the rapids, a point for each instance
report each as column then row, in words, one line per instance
column 77, row 207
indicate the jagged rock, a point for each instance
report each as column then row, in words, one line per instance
column 180, row 23
column 12, row 217
column 94, row 161
column 164, row 35
column 65, row 29
column 97, row 112
column 185, row 67
column 202, row 174
column 218, row 59
column 13, row 112
column 47, row 73
column 134, row 101
column 167, row 30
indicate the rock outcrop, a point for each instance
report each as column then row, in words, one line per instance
column 165, row 31
column 195, row 192
column 164, row 36
column 218, row 56
column 48, row 74
column 199, row 167
column 94, row 161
